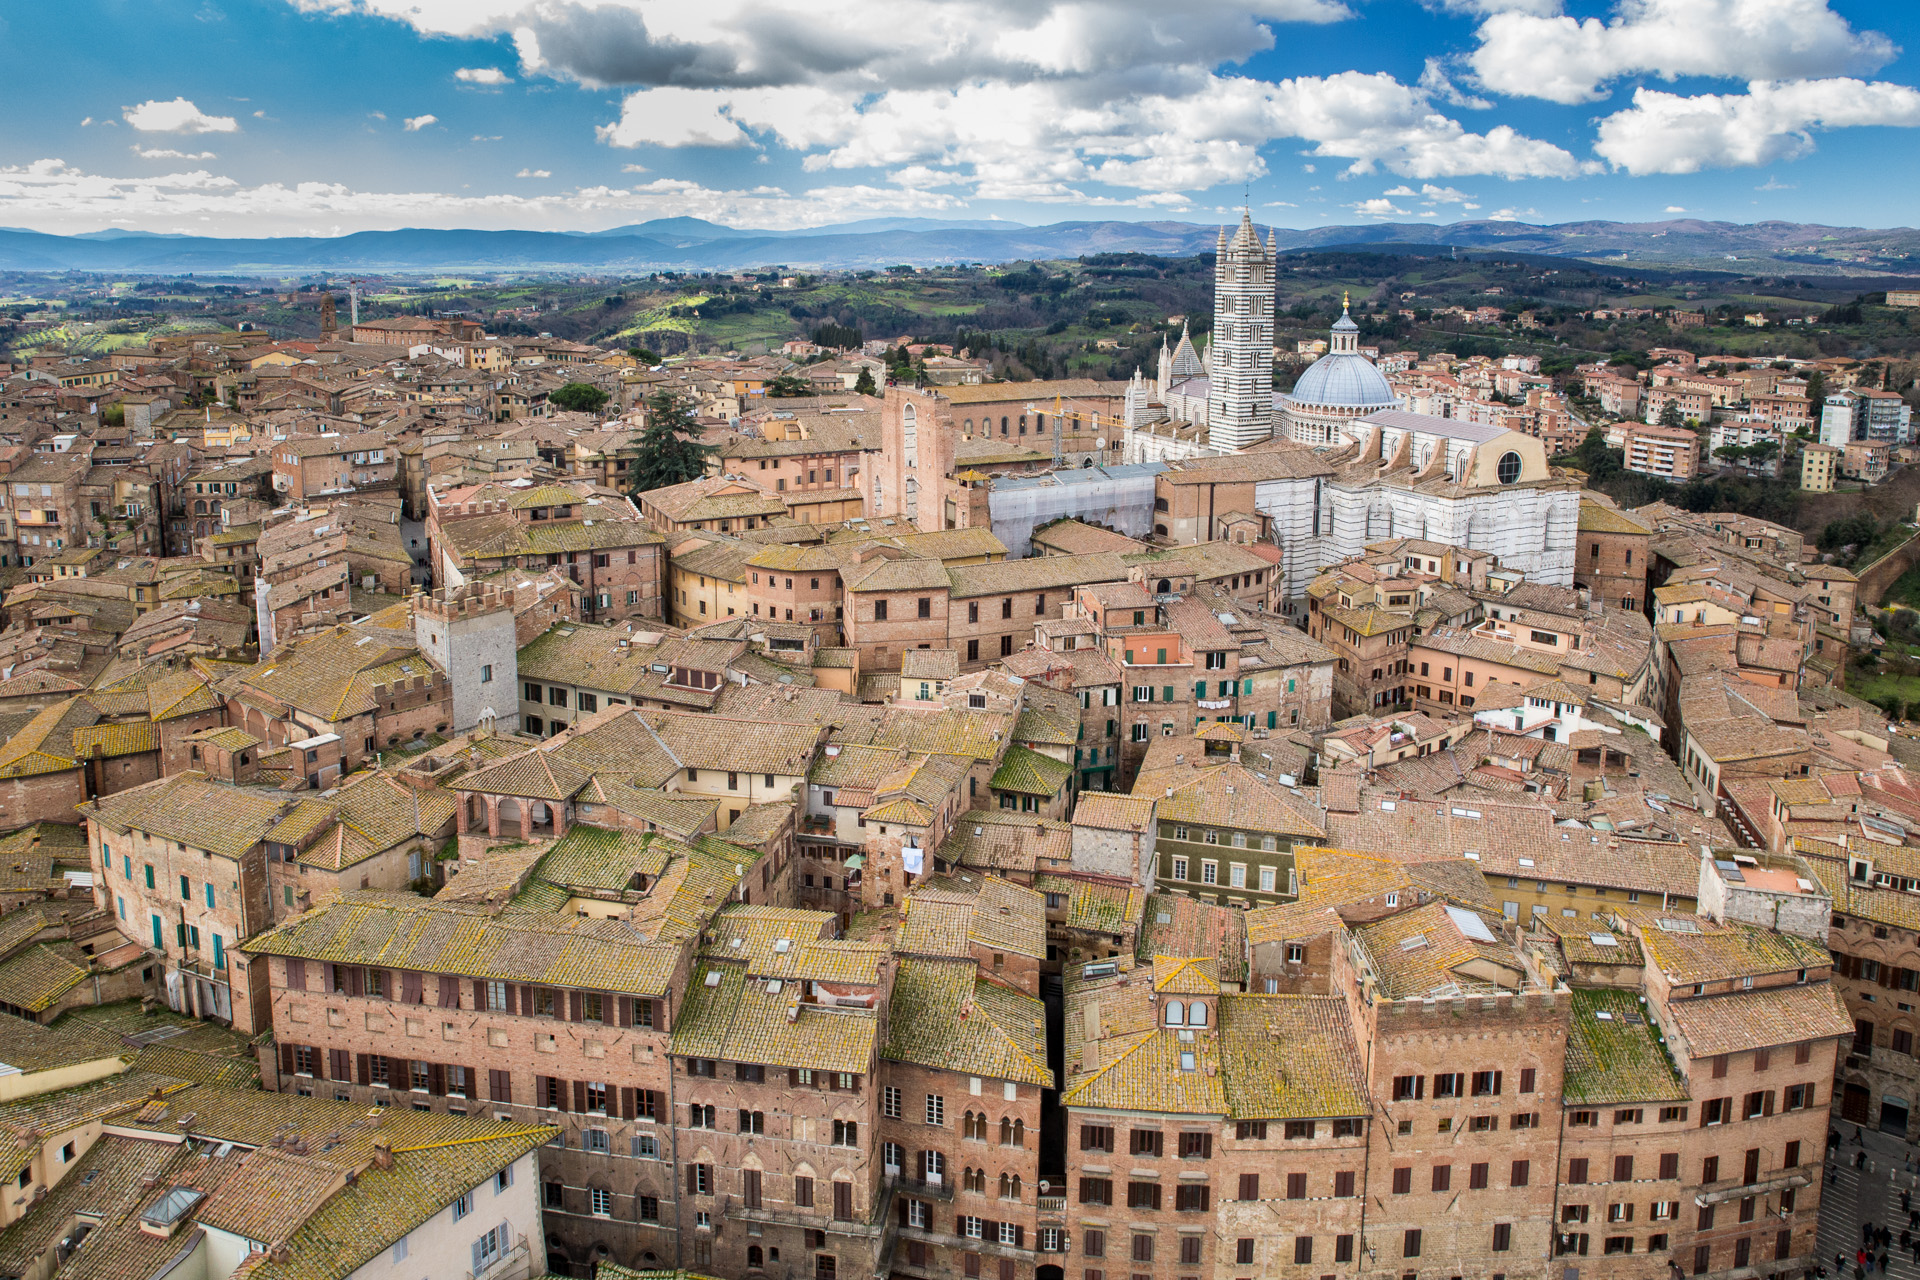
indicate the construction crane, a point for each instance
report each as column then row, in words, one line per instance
column 1091, row 417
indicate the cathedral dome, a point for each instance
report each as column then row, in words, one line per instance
column 1344, row 380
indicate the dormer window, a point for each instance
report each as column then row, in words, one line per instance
column 1176, row 1013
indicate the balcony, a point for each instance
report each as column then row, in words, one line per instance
column 734, row 1212
column 919, row 1190
column 1777, row 1181
column 515, row 1264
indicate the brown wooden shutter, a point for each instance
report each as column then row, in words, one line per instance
column 510, row 1000
column 363, row 1067
column 286, row 1059
column 693, row 1179
column 449, row 992
column 579, row 1095
column 626, row 1011
column 576, row 1005
column 410, row 988
column 296, row 975
column 436, row 1079
column 356, row 981
column 627, row 1107
column 479, row 994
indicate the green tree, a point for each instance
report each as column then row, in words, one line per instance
column 643, row 354
column 1670, row 415
column 787, row 386
column 669, row 447
column 579, row 397
column 1816, row 393
column 863, row 385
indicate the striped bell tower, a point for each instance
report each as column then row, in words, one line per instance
column 1240, row 394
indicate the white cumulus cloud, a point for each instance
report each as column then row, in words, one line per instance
column 1049, row 99
column 416, row 123
column 168, row 153
column 176, row 116
column 1772, row 120
column 483, row 76
column 1563, row 59
column 1380, row 208
column 533, row 173
column 52, row 195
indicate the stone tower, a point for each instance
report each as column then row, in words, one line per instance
column 1240, row 395
column 329, row 323
column 468, row 632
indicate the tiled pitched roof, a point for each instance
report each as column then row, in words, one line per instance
column 1290, row 1057
column 1027, row 772
column 1112, row 812
column 1423, row 951
column 36, row 978
column 222, row 819
column 1002, row 841
column 402, row 931
column 1097, row 906
column 1620, row 1057
column 605, row 859
column 729, row 1015
column 1690, row 949
column 944, row 1015
column 1177, row 926
column 1762, row 1018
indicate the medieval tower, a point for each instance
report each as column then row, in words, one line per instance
column 1240, row 355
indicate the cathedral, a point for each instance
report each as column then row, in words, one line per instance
column 1336, row 464
column 1221, row 401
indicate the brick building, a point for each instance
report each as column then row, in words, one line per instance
column 593, row 535
column 1612, row 559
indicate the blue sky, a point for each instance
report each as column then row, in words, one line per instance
column 276, row 117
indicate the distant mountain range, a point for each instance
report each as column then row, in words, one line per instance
column 694, row 244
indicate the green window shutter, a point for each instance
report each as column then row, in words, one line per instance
column 1273, row 719
column 1166, row 693
column 1246, row 686
column 1199, row 688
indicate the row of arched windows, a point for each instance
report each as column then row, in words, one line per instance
column 974, row 1125
column 975, row 1180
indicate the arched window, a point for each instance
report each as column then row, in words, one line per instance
column 1006, row 1132
column 1019, row 1133
column 1003, row 425
column 1014, row 1191
column 1005, row 1186
column 1176, row 1014
column 1197, row 1015
column 754, row 1255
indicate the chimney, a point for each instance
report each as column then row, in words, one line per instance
column 383, row 1153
